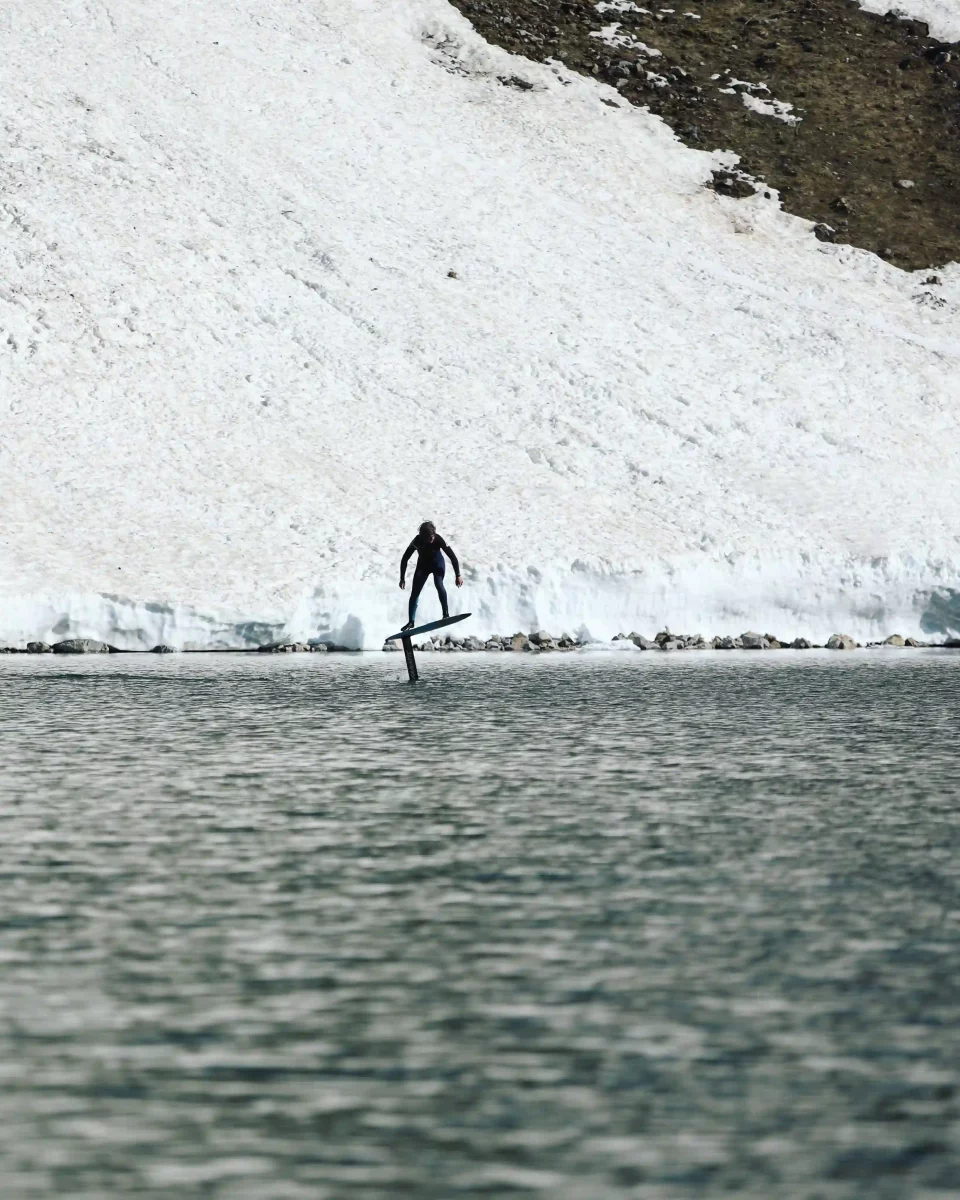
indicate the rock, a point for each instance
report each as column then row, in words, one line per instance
column 543, row 639
column 519, row 641
column 670, row 644
column 728, row 643
column 387, row 646
column 641, row 642
column 663, row 636
column 841, row 641
column 799, row 644
column 773, row 641
column 893, row 640
column 911, row 642
column 321, row 647
column 493, row 644
column 754, row 641
column 841, row 205
column 952, row 644
column 39, row 648
column 283, row 648
column 567, row 642
column 163, row 648
column 824, row 232
column 81, row 646
column 473, row 643
column 731, row 183
column 428, row 645
column 696, row 642
column 905, row 184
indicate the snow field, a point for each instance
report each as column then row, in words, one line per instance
column 235, row 371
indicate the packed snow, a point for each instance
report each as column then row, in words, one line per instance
column 942, row 16
column 756, row 97
column 613, row 37
column 282, row 280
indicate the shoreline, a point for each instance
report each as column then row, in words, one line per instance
column 537, row 642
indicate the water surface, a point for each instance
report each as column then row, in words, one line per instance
column 564, row 926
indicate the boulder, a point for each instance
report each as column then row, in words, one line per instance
column 429, row 645
column 473, row 643
column 163, row 648
column 696, row 642
column 493, row 644
column 641, row 642
column 799, row 644
column 387, row 646
column 321, row 647
column 81, row 646
column 542, row 639
column 952, row 644
column 911, row 642
column 773, row 642
column 519, row 641
column 729, row 643
column 39, row 648
column 663, row 636
column 841, row 641
column 893, row 640
column 670, row 644
column 754, row 641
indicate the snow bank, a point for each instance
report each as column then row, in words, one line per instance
column 237, row 370
column 942, row 16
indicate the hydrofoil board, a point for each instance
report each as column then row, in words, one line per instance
column 409, row 633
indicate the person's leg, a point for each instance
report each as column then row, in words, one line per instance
column 419, row 579
column 441, row 591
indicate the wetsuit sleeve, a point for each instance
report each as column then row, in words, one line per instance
column 452, row 556
column 406, row 558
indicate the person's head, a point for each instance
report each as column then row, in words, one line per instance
column 428, row 531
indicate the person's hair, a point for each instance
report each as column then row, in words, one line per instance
column 426, row 529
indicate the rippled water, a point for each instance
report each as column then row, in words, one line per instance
column 578, row 927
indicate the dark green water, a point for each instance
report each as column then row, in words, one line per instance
column 623, row 926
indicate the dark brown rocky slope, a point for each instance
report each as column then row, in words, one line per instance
column 875, row 156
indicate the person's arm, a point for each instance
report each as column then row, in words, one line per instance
column 451, row 554
column 406, row 558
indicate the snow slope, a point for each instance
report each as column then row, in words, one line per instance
column 942, row 16
column 236, row 371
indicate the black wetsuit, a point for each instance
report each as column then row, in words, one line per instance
column 429, row 562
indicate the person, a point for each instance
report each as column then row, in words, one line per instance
column 430, row 548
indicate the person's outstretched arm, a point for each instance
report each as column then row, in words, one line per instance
column 452, row 555
column 403, row 562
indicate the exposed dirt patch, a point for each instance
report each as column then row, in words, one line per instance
column 857, row 126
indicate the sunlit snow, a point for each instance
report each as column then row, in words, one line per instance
column 281, row 280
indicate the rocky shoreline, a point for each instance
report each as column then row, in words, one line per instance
column 665, row 641
column 533, row 643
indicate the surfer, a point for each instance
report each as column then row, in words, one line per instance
column 430, row 548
